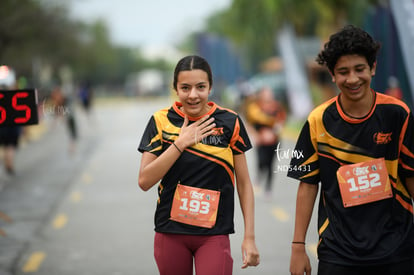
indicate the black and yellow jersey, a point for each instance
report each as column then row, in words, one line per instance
column 260, row 118
column 208, row 164
column 376, row 232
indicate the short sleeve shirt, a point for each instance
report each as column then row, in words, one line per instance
column 377, row 232
column 208, row 164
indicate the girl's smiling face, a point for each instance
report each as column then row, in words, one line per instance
column 193, row 89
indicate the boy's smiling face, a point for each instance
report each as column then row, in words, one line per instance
column 353, row 75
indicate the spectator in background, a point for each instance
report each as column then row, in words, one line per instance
column 62, row 108
column 86, row 95
column 9, row 135
column 266, row 116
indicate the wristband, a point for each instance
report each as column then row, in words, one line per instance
column 177, row 148
column 298, row 243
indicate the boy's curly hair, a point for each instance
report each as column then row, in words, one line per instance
column 350, row 40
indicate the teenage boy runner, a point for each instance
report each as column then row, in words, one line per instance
column 360, row 147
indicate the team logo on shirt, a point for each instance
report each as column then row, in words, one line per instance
column 215, row 138
column 382, row 138
column 217, row 131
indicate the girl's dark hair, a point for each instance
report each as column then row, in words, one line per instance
column 192, row 62
column 350, row 40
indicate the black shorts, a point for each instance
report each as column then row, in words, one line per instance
column 400, row 268
column 9, row 136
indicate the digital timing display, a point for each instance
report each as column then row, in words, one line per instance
column 18, row 107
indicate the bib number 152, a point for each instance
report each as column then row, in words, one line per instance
column 364, row 182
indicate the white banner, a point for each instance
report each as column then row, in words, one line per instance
column 403, row 12
column 298, row 91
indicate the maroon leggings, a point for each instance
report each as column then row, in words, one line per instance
column 174, row 254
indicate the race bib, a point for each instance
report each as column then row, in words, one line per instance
column 195, row 206
column 364, row 182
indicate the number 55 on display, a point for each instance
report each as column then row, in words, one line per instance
column 18, row 107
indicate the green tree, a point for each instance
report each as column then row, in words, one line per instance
column 253, row 25
column 30, row 30
column 35, row 33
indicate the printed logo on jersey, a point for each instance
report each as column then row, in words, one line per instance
column 382, row 138
column 216, row 138
column 217, row 131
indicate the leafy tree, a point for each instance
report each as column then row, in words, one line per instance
column 35, row 33
column 253, row 25
column 30, row 30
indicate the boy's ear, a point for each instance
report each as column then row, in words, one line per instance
column 332, row 76
column 374, row 67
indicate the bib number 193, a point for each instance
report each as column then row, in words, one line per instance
column 195, row 206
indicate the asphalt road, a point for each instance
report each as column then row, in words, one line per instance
column 82, row 212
